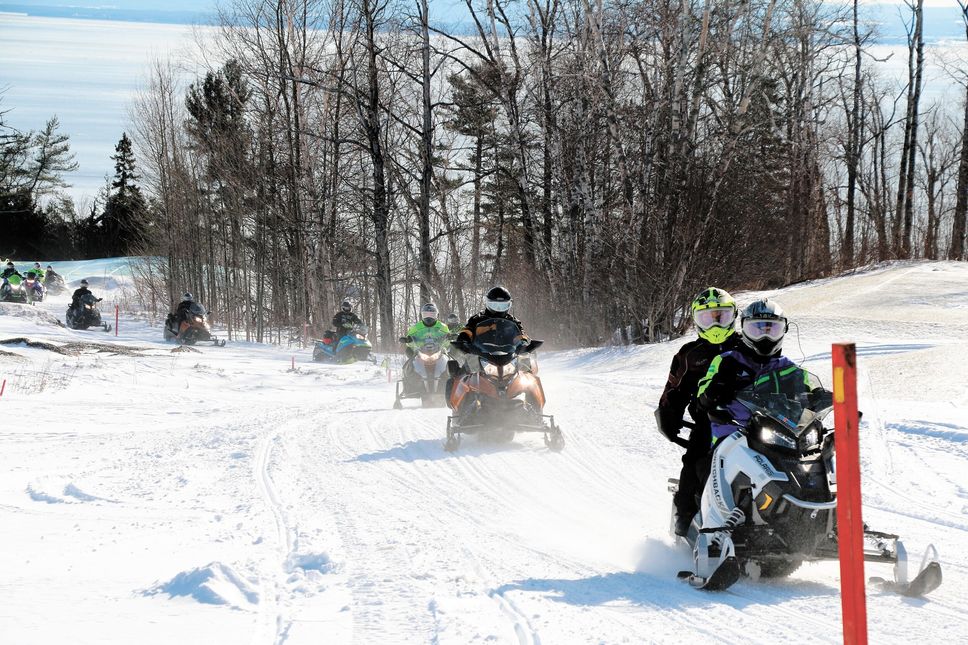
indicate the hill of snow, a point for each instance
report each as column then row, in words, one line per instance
column 219, row 496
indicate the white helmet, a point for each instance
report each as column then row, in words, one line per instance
column 187, row 297
column 763, row 326
column 428, row 313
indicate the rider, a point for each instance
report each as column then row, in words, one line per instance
column 38, row 272
column 497, row 304
column 345, row 319
column 428, row 329
column 762, row 327
column 714, row 314
column 453, row 324
column 10, row 271
column 181, row 311
column 81, row 291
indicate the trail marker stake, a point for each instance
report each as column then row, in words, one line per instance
column 3, row 386
column 850, row 526
column 117, row 315
column 293, row 362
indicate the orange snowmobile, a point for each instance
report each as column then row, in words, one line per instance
column 499, row 392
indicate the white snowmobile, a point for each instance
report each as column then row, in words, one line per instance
column 770, row 501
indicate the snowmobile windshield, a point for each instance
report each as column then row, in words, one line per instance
column 498, row 340
column 88, row 299
column 196, row 309
column 790, row 395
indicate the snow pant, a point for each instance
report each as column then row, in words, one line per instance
column 696, row 463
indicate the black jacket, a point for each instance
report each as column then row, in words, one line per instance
column 681, row 390
column 7, row 272
column 81, row 291
column 468, row 333
column 344, row 321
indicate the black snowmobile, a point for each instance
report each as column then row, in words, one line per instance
column 770, row 501
column 191, row 328
column 86, row 314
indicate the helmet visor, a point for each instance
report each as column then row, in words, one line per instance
column 498, row 305
column 758, row 328
column 429, row 315
column 714, row 317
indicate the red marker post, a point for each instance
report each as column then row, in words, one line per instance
column 850, row 526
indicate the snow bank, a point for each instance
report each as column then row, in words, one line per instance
column 213, row 584
column 27, row 314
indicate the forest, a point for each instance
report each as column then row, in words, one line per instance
column 604, row 160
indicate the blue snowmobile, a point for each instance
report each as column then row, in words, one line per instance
column 353, row 346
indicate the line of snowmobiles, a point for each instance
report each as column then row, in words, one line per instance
column 495, row 390
column 191, row 328
column 769, row 503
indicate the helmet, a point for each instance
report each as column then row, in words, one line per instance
column 428, row 313
column 36, row 265
column 84, row 282
column 714, row 312
column 10, row 263
column 346, row 306
column 187, row 297
column 497, row 300
column 452, row 320
column 763, row 326
column 50, row 267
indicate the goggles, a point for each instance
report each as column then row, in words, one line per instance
column 714, row 317
column 757, row 328
column 496, row 305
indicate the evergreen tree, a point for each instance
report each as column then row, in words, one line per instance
column 119, row 229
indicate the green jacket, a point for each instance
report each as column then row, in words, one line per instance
column 421, row 333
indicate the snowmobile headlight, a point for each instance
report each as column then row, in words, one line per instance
column 198, row 319
column 87, row 306
column 510, row 369
column 810, row 439
column 429, row 357
column 771, row 437
column 490, row 368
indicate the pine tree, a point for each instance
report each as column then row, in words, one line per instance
column 121, row 224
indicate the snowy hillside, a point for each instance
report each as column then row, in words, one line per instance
column 217, row 496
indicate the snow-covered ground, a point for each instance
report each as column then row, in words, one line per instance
column 218, row 496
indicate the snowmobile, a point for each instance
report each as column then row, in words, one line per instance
column 426, row 377
column 500, row 394
column 769, row 503
column 33, row 287
column 54, row 283
column 192, row 328
column 86, row 314
column 12, row 290
column 351, row 347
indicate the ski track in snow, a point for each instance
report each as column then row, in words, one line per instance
column 340, row 520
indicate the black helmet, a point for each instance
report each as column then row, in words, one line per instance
column 346, row 306
column 187, row 297
column 452, row 320
column 428, row 313
column 763, row 327
column 83, row 282
column 10, row 264
column 497, row 300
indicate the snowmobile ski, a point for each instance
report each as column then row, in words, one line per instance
column 928, row 579
column 724, row 577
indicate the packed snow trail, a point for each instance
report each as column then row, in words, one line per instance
column 219, row 497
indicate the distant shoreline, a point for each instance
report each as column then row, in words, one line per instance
column 941, row 23
column 154, row 16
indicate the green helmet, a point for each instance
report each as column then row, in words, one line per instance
column 714, row 312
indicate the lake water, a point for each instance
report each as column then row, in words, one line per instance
column 87, row 72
